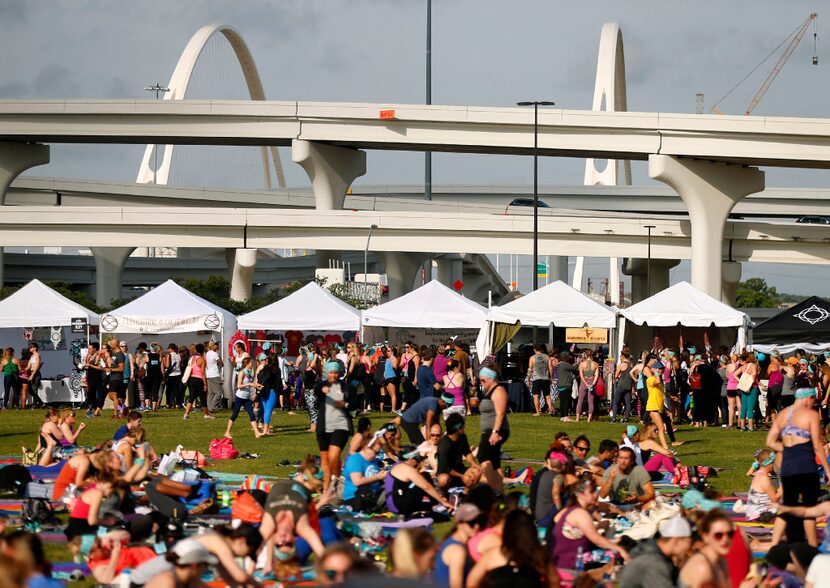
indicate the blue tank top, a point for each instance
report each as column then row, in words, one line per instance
column 388, row 370
column 441, row 573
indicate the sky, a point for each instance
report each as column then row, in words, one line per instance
column 485, row 52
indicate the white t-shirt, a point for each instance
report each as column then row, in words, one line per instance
column 212, row 367
column 819, row 568
column 343, row 357
column 175, row 364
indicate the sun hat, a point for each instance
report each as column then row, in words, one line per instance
column 675, row 527
column 466, row 513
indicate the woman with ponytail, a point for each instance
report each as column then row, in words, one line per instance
column 333, row 400
column 495, row 430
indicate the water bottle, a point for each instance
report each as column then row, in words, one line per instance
column 124, row 580
column 226, row 498
column 580, row 564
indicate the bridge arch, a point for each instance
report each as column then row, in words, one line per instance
column 609, row 95
column 177, row 89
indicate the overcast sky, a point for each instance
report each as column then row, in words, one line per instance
column 485, row 52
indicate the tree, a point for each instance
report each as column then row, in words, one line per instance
column 755, row 293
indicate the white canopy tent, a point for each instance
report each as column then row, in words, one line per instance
column 556, row 304
column 311, row 308
column 433, row 306
column 38, row 305
column 683, row 304
column 171, row 310
column 38, row 313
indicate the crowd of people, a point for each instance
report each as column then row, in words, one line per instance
column 569, row 528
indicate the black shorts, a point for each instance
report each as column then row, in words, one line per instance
column 540, row 387
column 413, row 431
column 394, row 381
column 339, row 438
column 118, row 388
column 491, row 453
column 731, row 393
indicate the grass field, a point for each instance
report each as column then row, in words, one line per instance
column 529, row 437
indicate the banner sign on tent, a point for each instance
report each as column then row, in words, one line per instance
column 400, row 335
column 586, row 335
column 79, row 325
column 159, row 325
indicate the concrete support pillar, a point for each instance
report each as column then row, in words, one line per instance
column 710, row 191
column 637, row 268
column 15, row 158
column 109, row 267
column 450, row 269
column 614, row 280
column 331, row 170
column 731, row 277
column 558, row 268
column 401, row 270
column 241, row 266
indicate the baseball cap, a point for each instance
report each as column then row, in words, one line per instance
column 676, row 527
column 791, row 361
column 466, row 513
column 190, row 551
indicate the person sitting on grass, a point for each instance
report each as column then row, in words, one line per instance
column 762, row 494
column 49, row 438
column 648, row 452
column 412, row 490
column 133, row 422
column 84, row 518
column 364, row 473
column 135, row 454
column 453, row 449
column 627, row 485
column 67, row 427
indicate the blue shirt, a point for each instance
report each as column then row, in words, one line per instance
column 417, row 413
column 426, row 381
column 41, row 581
column 357, row 463
column 120, row 433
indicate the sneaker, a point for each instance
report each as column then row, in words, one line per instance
column 90, row 414
column 209, row 416
column 185, row 417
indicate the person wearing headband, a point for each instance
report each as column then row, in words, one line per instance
column 796, row 435
column 246, row 387
column 749, row 372
column 424, row 413
column 410, row 487
column 495, row 429
column 333, row 398
column 762, row 494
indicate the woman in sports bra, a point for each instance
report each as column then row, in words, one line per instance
column 796, row 435
column 197, row 383
column 589, row 373
column 708, row 566
column 454, row 384
column 49, row 437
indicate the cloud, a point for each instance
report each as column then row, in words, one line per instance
column 14, row 12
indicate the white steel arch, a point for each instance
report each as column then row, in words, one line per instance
column 609, row 95
column 177, row 89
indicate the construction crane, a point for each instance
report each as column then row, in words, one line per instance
column 795, row 38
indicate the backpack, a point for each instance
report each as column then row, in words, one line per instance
column 223, row 449
column 39, row 511
column 247, row 509
column 15, row 478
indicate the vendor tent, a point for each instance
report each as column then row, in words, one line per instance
column 38, row 305
column 432, row 306
column 803, row 326
column 683, row 304
column 168, row 309
column 556, row 304
column 311, row 308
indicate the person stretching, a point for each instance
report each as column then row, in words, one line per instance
column 246, row 386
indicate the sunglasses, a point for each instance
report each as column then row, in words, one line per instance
column 434, row 434
column 580, row 448
column 719, row 535
column 286, row 544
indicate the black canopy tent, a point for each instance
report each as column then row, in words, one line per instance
column 803, row 326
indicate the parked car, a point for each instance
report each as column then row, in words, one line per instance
column 528, row 202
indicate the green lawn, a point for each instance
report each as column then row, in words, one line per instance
column 528, row 439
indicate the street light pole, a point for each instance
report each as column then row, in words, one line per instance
column 366, row 266
column 535, row 104
column 158, row 89
column 648, row 262
column 428, row 154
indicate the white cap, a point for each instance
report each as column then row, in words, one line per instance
column 675, row 527
column 190, row 551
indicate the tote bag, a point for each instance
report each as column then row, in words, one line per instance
column 187, row 370
column 746, row 382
